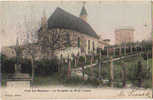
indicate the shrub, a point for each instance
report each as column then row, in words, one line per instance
column 8, row 64
column 147, row 83
column 46, row 66
column 138, row 74
column 26, row 66
column 73, row 80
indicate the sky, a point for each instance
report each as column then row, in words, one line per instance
column 104, row 17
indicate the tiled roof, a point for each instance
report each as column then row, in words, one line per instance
column 63, row 19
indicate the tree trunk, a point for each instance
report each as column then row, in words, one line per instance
column 114, row 51
column 91, row 59
column 85, row 59
column 139, row 72
column 120, row 51
column 123, row 75
column 125, row 50
column 111, row 72
column 33, row 69
column 61, row 63
column 75, row 62
column 100, row 68
column 107, row 52
column 69, row 69
column 83, row 73
column 131, row 49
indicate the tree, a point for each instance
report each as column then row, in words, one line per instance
column 30, row 42
column 50, row 40
column 139, row 74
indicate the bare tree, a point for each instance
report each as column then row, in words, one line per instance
column 30, row 40
column 51, row 40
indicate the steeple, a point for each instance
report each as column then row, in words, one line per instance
column 83, row 13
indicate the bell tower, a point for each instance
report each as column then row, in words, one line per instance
column 83, row 13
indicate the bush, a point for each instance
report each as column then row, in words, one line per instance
column 8, row 64
column 118, row 84
column 139, row 72
column 46, row 67
column 147, row 83
column 43, row 67
column 73, row 80
column 26, row 66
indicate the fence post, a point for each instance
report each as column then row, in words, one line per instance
column 64, row 67
column 111, row 72
column 107, row 51
column 125, row 49
column 75, row 61
column 99, row 66
column 82, row 70
column 131, row 48
column 136, row 48
column 147, row 60
column 139, row 73
column 33, row 68
column 120, row 50
column 60, row 69
column 123, row 75
column 114, row 51
column 90, row 59
column 85, row 59
column 69, row 68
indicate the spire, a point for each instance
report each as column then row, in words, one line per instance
column 83, row 10
column 83, row 13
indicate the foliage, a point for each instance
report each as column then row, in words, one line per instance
column 46, row 66
column 132, row 71
column 26, row 66
column 43, row 67
column 147, row 83
column 8, row 64
column 53, row 79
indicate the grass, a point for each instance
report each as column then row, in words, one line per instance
column 61, row 79
column 148, row 84
column 4, row 78
column 129, row 64
column 47, row 80
column 57, row 79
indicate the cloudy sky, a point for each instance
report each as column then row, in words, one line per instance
column 104, row 17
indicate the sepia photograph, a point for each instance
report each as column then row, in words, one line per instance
column 76, row 49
